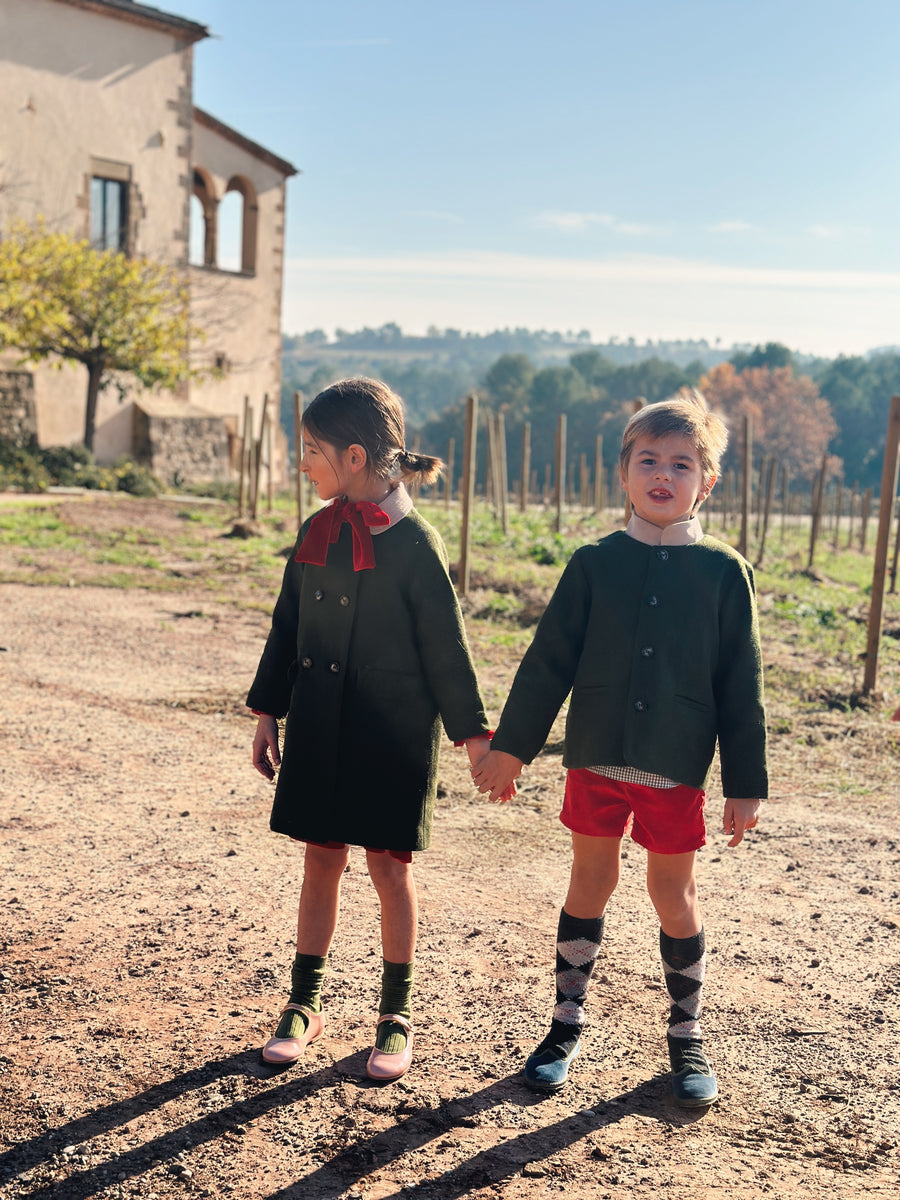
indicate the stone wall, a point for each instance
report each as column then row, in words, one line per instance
column 180, row 444
column 18, row 419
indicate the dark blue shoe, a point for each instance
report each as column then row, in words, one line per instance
column 547, row 1069
column 693, row 1082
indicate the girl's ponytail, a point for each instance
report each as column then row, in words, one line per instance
column 418, row 468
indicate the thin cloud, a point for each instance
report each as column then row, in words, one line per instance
column 571, row 222
column 477, row 266
column 580, row 222
column 825, row 232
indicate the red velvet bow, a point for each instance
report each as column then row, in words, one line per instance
column 325, row 528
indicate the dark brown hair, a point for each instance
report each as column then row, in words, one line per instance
column 368, row 413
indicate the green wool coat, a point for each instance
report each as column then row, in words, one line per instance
column 659, row 646
column 367, row 665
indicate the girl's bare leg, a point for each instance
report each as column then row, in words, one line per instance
column 320, row 896
column 396, row 887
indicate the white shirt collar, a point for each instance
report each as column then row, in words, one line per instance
column 397, row 505
column 681, row 533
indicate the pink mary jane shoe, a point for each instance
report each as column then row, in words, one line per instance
column 384, row 1067
column 280, row 1052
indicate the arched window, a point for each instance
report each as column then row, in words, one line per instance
column 204, row 207
column 241, row 192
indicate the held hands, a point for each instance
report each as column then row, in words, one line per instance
column 266, row 755
column 739, row 816
column 496, row 774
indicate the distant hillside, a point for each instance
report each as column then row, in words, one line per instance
column 433, row 372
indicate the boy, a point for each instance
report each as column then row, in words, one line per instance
column 654, row 631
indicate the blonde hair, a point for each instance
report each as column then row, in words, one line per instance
column 686, row 415
column 368, row 413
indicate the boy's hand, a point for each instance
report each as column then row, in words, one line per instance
column 495, row 774
column 266, row 755
column 740, row 815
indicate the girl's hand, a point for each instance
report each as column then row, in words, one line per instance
column 266, row 755
column 496, row 773
column 740, row 815
column 477, row 748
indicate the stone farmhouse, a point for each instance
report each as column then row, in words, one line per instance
column 100, row 136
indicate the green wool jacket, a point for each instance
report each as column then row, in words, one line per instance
column 659, row 647
column 366, row 665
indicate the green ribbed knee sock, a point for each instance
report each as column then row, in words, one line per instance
column 307, row 974
column 396, row 994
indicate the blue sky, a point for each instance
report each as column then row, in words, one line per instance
column 647, row 168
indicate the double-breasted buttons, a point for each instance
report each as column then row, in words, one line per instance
column 319, row 594
column 335, row 668
column 652, row 601
column 641, row 706
column 663, row 555
column 647, row 651
column 345, row 600
column 306, row 662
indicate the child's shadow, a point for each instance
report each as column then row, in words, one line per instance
column 489, row 1166
column 45, row 1147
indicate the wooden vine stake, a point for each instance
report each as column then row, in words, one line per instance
column 245, row 442
column 468, row 491
column 560, row 496
column 526, row 466
column 885, row 513
column 818, row 503
column 746, row 469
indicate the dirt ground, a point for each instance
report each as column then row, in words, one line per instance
column 147, row 930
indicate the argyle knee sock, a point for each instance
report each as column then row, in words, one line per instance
column 307, row 974
column 577, row 946
column 684, row 966
column 396, row 994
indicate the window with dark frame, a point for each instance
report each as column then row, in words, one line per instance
column 109, row 214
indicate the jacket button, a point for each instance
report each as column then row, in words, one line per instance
column 663, row 555
column 335, row 668
column 652, row 601
column 318, row 593
column 641, row 706
column 647, row 651
column 306, row 662
column 345, row 600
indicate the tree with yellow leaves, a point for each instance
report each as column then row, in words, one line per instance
column 63, row 301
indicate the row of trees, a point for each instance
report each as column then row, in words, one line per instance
column 791, row 420
column 801, row 405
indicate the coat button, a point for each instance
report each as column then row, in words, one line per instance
column 647, row 651
column 641, row 706
column 306, row 662
column 663, row 555
column 318, row 593
column 335, row 668
column 652, row 601
column 345, row 600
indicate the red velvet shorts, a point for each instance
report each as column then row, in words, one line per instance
column 404, row 856
column 663, row 820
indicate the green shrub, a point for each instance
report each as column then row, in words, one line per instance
column 64, row 464
column 135, row 479
column 21, row 467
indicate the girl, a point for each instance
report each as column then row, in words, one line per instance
column 367, row 655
